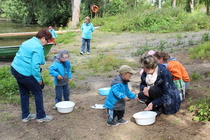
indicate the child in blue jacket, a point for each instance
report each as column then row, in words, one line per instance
column 54, row 35
column 118, row 94
column 61, row 71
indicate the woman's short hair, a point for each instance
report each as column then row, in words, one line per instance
column 44, row 33
column 163, row 55
column 149, row 62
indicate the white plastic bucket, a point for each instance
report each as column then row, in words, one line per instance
column 145, row 117
column 65, row 106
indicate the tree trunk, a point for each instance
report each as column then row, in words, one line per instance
column 192, row 3
column 75, row 12
column 174, row 4
column 159, row 4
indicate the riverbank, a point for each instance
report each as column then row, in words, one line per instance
column 85, row 123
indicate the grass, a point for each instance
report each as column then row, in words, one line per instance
column 6, row 117
column 194, row 76
column 201, row 51
column 103, row 63
column 66, row 38
column 155, row 20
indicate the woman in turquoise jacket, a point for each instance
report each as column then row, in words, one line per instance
column 26, row 69
column 87, row 29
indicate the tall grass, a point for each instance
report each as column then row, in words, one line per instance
column 151, row 19
column 201, row 51
column 102, row 63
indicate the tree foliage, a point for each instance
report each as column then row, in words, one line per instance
column 43, row 12
column 58, row 12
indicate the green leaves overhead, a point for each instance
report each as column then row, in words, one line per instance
column 43, row 12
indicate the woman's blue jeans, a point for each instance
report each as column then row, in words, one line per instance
column 84, row 41
column 26, row 85
column 62, row 90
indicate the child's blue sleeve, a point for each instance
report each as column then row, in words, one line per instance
column 117, row 92
column 53, row 70
column 131, row 95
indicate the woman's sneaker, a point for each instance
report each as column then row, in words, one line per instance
column 30, row 117
column 45, row 119
column 112, row 123
column 121, row 121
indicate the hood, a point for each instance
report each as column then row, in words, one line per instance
column 171, row 59
column 118, row 80
column 59, row 57
column 56, row 58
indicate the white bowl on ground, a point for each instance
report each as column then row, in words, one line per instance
column 65, row 106
column 145, row 117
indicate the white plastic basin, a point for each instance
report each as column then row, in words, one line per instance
column 65, row 106
column 145, row 117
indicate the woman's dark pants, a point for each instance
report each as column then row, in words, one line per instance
column 154, row 93
column 26, row 85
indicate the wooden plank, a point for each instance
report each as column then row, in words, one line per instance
column 25, row 33
column 34, row 33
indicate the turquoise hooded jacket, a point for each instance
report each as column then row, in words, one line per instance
column 60, row 68
column 87, row 30
column 29, row 58
column 119, row 90
column 53, row 33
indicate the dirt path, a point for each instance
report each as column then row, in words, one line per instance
column 85, row 123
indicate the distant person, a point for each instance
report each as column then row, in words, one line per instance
column 179, row 73
column 157, row 89
column 151, row 52
column 87, row 29
column 54, row 35
column 26, row 69
column 118, row 95
column 61, row 71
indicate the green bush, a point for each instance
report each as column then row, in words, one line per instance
column 194, row 76
column 206, row 37
column 8, row 85
column 156, row 20
column 201, row 109
column 102, row 63
column 47, row 78
column 200, row 52
column 141, row 50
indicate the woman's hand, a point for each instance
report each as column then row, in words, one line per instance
column 149, row 107
column 40, row 83
column 146, row 91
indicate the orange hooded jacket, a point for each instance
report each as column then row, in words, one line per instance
column 178, row 71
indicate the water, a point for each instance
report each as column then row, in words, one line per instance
column 10, row 27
